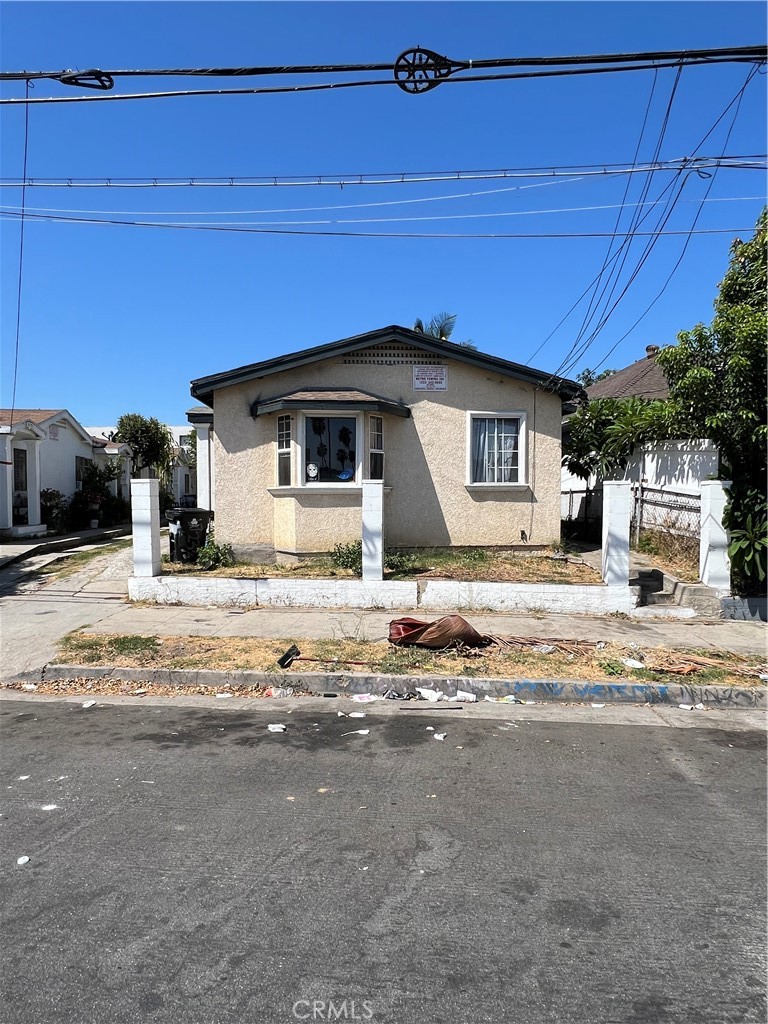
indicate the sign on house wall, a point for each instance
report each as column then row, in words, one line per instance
column 430, row 378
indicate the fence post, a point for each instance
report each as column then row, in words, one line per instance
column 617, row 505
column 145, row 512
column 638, row 510
column 714, row 564
column 373, row 530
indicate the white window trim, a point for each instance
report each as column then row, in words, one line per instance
column 356, row 482
column 291, row 449
column 522, row 457
column 375, row 451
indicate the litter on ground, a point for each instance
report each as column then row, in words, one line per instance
column 356, row 714
column 89, row 703
column 463, row 695
column 357, row 732
column 219, row 696
column 275, row 727
column 364, row 698
column 22, row 861
column 440, row 735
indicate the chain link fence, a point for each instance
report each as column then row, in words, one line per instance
column 667, row 524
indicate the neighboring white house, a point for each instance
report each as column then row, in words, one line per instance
column 678, row 466
column 46, row 449
column 180, row 481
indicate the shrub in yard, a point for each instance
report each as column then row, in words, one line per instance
column 53, row 510
column 215, row 556
column 348, row 556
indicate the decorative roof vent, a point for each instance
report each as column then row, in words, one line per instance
column 651, row 351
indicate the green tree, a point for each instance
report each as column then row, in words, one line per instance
column 718, row 381
column 441, row 327
column 150, row 440
column 588, row 377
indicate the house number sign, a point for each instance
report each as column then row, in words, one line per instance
column 430, row 378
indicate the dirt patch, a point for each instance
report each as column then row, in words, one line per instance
column 379, row 657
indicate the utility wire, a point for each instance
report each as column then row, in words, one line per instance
column 751, row 161
column 21, row 262
column 366, row 220
column 613, row 278
column 739, row 53
column 358, row 234
column 327, row 86
column 571, row 358
column 673, row 271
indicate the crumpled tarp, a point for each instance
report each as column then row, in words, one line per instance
column 451, row 629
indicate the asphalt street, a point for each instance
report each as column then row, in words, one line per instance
column 536, row 865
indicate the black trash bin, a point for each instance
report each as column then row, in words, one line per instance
column 188, row 529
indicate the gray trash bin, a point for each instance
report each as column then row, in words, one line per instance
column 188, row 529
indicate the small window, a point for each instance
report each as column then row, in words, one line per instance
column 284, row 451
column 80, row 464
column 495, row 451
column 330, row 449
column 376, row 448
column 185, row 440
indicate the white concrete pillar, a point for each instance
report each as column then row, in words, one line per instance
column 204, row 481
column 373, row 530
column 714, row 564
column 33, row 483
column 6, row 481
column 617, row 510
column 145, row 510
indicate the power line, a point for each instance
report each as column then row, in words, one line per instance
column 574, row 356
column 751, row 161
column 358, row 234
column 21, row 263
column 673, row 271
column 756, row 55
column 369, row 220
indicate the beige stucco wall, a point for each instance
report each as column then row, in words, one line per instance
column 426, row 464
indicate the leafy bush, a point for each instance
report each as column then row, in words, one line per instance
column 348, row 556
column 215, row 556
column 749, row 548
column 398, row 561
column 54, row 510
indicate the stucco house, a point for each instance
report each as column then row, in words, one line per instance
column 468, row 446
column 44, row 449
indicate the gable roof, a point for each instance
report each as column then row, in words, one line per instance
column 643, row 379
column 203, row 388
column 22, row 415
column 45, row 416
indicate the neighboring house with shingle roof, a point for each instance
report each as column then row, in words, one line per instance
column 42, row 449
column 466, row 444
column 643, row 379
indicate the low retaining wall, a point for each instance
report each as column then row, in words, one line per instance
column 429, row 595
column 568, row 690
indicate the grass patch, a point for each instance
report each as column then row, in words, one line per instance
column 467, row 564
column 261, row 655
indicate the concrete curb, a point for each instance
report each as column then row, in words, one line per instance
column 566, row 690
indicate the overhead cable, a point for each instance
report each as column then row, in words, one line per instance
column 434, row 75
column 750, row 161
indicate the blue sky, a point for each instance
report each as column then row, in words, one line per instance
column 117, row 319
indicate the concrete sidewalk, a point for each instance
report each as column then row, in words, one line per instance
column 17, row 550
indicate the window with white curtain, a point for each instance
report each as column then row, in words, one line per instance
column 496, row 449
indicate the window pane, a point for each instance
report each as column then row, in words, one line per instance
column 495, row 450
column 284, row 469
column 377, row 433
column 283, row 432
column 330, row 449
column 377, row 466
